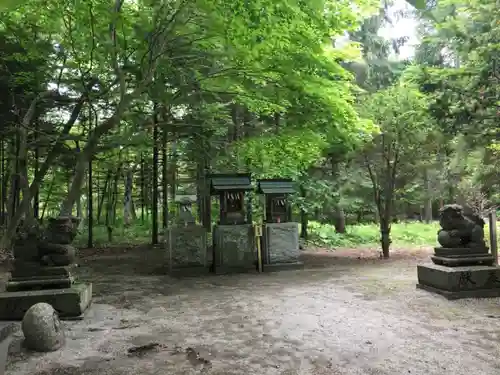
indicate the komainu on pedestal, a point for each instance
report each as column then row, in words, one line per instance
column 44, row 261
column 462, row 267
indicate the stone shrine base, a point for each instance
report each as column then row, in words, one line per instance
column 69, row 303
column 234, row 249
column 460, row 282
column 281, row 249
column 186, row 248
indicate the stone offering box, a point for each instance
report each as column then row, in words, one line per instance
column 280, row 240
column 233, row 238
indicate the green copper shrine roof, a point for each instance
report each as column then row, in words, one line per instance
column 276, row 186
column 230, row 182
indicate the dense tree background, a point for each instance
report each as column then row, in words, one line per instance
column 109, row 110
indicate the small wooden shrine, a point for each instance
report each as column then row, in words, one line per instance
column 231, row 190
column 277, row 207
column 280, row 240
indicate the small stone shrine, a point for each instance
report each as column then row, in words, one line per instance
column 233, row 237
column 462, row 267
column 186, row 241
column 43, row 271
column 280, row 240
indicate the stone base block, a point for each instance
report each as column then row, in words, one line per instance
column 69, row 303
column 234, row 248
column 461, row 251
column 283, row 266
column 460, row 282
column 464, row 260
column 186, row 247
column 23, row 270
column 480, row 293
column 281, row 243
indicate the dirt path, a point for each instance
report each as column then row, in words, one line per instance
column 363, row 316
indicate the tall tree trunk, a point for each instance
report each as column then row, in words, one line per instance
column 164, row 175
column 133, row 209
column 385, row 236
column 14, row 179
column 47, row 198
column 173, row 166
column 2, row 182
column 90, row 208
column 143, row 189
column 304, row 219
column 154, row 232
column 127, row 198
column 277, row 122
column 104, row 192
column 36, row 201
column 339, row 220
column 428, row 198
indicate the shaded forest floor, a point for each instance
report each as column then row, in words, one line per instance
column 340, row 315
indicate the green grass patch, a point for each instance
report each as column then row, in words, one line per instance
column 414, row 234
column 406, row 234
column 411, row 234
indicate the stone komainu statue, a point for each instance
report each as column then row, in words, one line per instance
column 459, row 230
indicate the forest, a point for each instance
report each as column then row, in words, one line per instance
column 111, row 109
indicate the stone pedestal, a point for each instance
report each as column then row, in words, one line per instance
column 44, row 274
column 68, row 302
column 33, row 276
column 186, row 250
column 460, row 282
column 453, row 257
column 281, row 246
column 234, row 248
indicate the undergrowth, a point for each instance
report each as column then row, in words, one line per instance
column 405, row 234
column 410, row 234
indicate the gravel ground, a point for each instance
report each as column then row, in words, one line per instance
column 361, row 316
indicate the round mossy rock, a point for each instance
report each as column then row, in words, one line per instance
column 42, row 328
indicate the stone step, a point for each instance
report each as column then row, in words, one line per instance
column 28, row 270
column 463, row 261
column 39, row 284
column 465, row 256
column 445, row 251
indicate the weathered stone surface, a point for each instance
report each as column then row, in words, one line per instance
column 42, row 329
column 69, row 303
column 234, row 247
column 464, row 260
column 282, row 243
column 186, row 246
column 37, row 283
column 453, row 251
column 459, row 229
column 460, row 282
column 33, row 276
column 30, row 270
column 6, row 329
column 62, row 230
